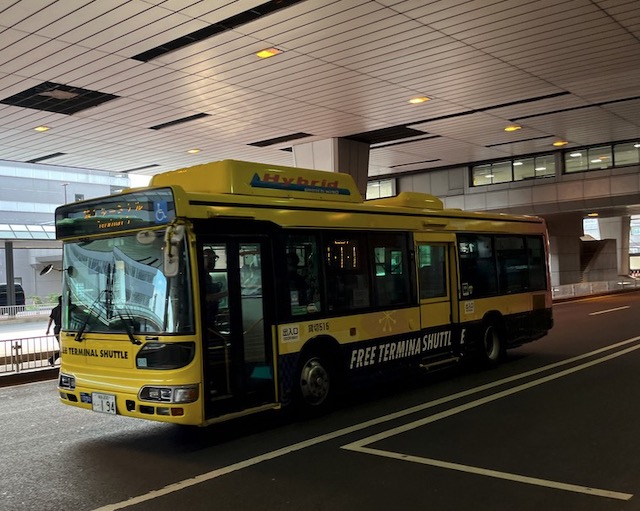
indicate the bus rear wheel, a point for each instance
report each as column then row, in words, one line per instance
column 315, row 385
column 491, row 349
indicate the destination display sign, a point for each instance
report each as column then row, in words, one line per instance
column 135, row 210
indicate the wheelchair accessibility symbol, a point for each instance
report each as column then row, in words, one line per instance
column 160, row 212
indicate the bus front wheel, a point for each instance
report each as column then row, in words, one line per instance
column 315, row 384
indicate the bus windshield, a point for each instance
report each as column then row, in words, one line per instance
column 117, row 285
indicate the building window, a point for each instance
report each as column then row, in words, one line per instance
column 592, row 158
column 532, row 168
column 514, row 170
column 381, row 188
column 626, row 154
column 492, row 173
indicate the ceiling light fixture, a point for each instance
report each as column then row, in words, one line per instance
column 419, row 99
column 193, row 151
column 515, row 163
column 513, row 127
column 268, row 52
column 41, row 128
column 637, row 146
column 575, row 155
column 592, row 214
column 560, row 143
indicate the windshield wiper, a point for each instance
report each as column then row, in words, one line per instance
column 83, row 327
column 128, row 326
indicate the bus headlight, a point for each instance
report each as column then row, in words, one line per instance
column 66, row 381
column 182, row 394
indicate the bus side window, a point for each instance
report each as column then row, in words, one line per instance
column 513, row 272
column 478, row 274
column 302, row 279
column 347, row 275
column 391, row 271
column 536, row 263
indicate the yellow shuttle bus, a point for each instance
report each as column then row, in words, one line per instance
column 229, row 288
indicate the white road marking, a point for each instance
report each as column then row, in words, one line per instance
column 181, row 485
column 360, row 445
column 609, row 310
column 499, row 475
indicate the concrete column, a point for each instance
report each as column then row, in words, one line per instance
column 565, row 231
column 618, row 228
column 8, row 258
column 336, row 155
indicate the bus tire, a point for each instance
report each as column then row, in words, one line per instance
column 315, row 383
column 491, row 348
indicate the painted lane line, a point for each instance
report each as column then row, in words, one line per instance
column 499, row 475
column 180, row 485
column 609, row 310
column 361, row 445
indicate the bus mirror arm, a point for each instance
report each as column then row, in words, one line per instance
column 172, row 238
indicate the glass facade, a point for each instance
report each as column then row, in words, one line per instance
column 574, row 160
column 602, row 157
column 514, row 170
column 381, row 188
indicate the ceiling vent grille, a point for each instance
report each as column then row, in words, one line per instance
column 217, row 28
column 385, row 135
column 280, row 140
column 58, row 98
column 178, row 121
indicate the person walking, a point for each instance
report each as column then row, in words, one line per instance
column 55, row 318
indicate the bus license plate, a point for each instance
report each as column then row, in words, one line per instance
column 104, row 403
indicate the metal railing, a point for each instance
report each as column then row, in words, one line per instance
column 582, row 289
column 27, row 354
column 23, row 311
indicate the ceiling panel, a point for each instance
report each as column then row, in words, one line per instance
column 347, row 67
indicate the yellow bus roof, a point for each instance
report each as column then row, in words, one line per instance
column 258, row 179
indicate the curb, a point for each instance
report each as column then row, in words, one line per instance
column 28, row 377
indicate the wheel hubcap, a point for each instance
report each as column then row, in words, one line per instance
column 314, row 382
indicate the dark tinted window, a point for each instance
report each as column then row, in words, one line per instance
column 478, row 276
column 432, row 270
column 391, row 278
column 347, row 272
column 513, row 270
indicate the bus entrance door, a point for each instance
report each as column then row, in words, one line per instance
column 435, row 280
column 238, row 357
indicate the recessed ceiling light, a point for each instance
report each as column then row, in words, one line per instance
column 268, row 52
column 193, row 151
column 418, row 100
column 41, row 128
column 513, row 127
column 592, row 214
column 560, row 143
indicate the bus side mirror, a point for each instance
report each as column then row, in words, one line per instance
column 47, row 269
column 172, row 239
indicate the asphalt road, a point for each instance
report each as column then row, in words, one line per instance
column 555, row 427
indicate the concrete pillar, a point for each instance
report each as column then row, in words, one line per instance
column 565, row 231
column 8, row 258
column 618, row 228
column 336, row 155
